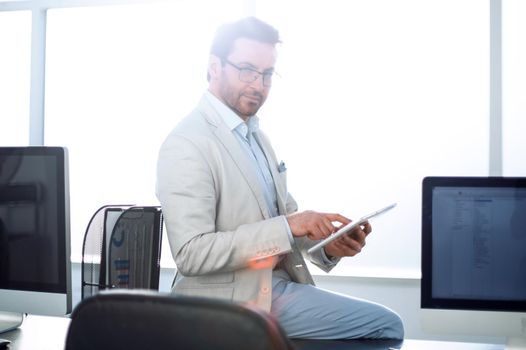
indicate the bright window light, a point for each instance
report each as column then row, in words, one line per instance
column 514, row 87
column 118, row 79
column 15, row 55
column 374, row 96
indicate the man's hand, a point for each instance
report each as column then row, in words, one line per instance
column 349, row 244
column 314, row 225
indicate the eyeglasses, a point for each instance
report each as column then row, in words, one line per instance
column 250, row 75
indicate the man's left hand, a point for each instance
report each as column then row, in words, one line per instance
column 349, row 244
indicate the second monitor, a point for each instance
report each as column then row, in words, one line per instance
column 35, row 268
column 474, row 256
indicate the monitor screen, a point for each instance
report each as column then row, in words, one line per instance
column 475, row 243
column 34, row 230
column 474, row 249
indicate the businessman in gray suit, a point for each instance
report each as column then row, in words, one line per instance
column 234, row 230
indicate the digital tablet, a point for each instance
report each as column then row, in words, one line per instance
column 347, row 228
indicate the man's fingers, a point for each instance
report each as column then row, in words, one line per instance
column 367, row 228
column 338, row 218
column 328, row 226
column 319, row 225
column 358, row 235
column 344, row 249
column 352, row 243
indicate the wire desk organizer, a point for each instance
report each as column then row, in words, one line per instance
column 122, row 249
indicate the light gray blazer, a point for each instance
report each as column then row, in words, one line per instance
column 217, row 220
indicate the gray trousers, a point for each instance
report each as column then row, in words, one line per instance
column 309, row 312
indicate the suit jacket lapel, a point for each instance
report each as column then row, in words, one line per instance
column 231, row 144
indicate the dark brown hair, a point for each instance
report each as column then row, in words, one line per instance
column 249, row 27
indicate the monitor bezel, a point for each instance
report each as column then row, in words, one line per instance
column 428, row 301
column 49, row 291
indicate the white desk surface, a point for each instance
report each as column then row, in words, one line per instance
column 49, row 333
column 39, row 333
column 412, row 344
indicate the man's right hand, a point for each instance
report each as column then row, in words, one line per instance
column 314, row 225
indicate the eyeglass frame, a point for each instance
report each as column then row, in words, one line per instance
column 255, row 77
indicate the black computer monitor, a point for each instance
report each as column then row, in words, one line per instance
column 474, row 256
column 35, row 268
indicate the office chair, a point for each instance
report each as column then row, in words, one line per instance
column 138, row 319
column 122, row 249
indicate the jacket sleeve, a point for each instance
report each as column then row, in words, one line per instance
column 318, row 258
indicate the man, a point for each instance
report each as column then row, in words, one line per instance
column 233, row 228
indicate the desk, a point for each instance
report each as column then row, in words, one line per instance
column 39, row 333
column 407, row 344
column 49, row 333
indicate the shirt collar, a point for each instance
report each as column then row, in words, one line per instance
column 231, row 119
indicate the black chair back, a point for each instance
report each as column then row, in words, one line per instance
column 132, row 320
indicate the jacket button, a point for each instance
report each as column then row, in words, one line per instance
column 265, row 290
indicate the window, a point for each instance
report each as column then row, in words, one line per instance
column 376, row 95
column 118, row 78
column 514, row 87
column 15, row 46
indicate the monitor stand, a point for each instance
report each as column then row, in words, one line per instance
column 10, row 321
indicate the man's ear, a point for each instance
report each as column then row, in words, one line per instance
column 214, row 67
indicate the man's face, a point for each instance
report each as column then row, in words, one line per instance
column 244, row 98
